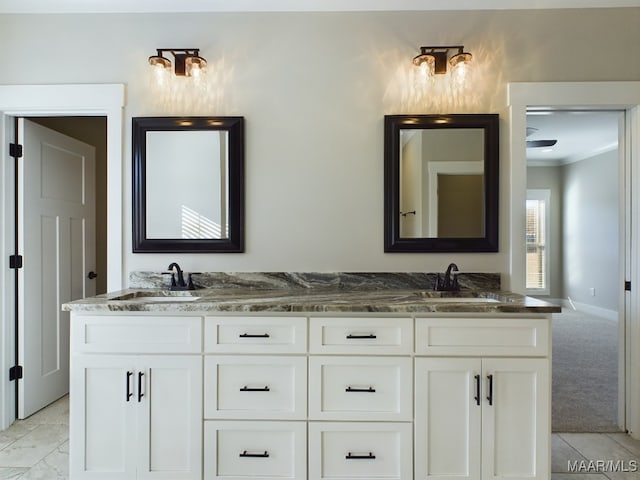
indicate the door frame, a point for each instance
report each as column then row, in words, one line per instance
column 598, row 95
column 105, row 100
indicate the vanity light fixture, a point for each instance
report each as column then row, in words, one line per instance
column 433, row 61
column 188, row 62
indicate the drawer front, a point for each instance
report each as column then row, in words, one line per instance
column 255, row 334
column 360, row 388
column 255, row 450
column 255, row 387
column 136, row 334
column 380, row 336
column 483, row 336
column 346, row 451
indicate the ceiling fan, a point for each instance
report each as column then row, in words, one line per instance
column 538, row 143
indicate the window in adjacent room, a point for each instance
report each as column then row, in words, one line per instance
column 538, row 242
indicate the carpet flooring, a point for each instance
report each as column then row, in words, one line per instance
column 585, row 373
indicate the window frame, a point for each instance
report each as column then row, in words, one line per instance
column 541, row 194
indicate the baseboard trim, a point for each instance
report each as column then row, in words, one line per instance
column 586, row 308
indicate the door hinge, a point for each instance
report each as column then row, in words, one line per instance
column 15, row 150
column 15, row 261
column 15, row 373
column 627, row 286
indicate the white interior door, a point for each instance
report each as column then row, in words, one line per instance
column 57, row 241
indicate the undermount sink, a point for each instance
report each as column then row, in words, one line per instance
column 438, row 296
column 460, row 300
column 157, row 296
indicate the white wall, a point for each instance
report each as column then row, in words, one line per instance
column 590, row 231
column 314, row 89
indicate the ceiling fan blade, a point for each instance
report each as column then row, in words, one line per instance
column 541, row 143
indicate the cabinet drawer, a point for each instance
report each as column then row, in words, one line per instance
column 360, row 388
column 381, row 336
column 255, row 334
column 346, row 451
column 255, row 450
column 136, row 334
column 255, row 387
column 483, row 336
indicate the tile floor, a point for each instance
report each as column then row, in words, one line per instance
column 38, row 448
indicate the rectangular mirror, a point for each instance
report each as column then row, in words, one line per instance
column 441, row 183
column 188, row 184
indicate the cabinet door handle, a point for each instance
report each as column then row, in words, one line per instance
column 351, row 456
column 477, row 397
column 254, row 335
column 353, row 336
column 251, row 389
column 490, row 396
column 366, row 390
column 129, row 393
column 140, row 380
column 246, row 454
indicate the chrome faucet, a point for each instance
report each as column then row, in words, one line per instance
column 450, row 281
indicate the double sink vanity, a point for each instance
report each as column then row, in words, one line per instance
column 310, row 376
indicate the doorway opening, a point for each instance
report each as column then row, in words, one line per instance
column 61, row 197
column 104, row 100
column 574, row 229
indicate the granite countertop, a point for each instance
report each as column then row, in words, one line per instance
column 348, row 293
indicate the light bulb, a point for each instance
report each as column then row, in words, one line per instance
column 460, row 69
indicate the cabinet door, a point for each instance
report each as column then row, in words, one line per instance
column 447, row 418
column 102, row 427
column 515, row 419
column 170, row 417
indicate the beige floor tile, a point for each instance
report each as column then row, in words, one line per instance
column 54, row 466
column 34, row 446
column 561, row 454
column 12, row 473
column 627, row 442
column 577, row 476
column 56, row 413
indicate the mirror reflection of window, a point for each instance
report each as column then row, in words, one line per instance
column 187, row 184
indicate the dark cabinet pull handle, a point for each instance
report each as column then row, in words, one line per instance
column 91, row 275
column 140, row 378
column 251, row 335
column 356, row 336
column 250, row 389
column 246, row 454
column 490, row 397
column 477, row 397
column 367, row 390
column 351, row 456
column 129, row 393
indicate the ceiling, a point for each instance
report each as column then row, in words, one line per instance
column 580, row 133
column 133, row 6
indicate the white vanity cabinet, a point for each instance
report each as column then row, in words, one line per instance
column 136, row 416
column 483, row 412
column 269, row 396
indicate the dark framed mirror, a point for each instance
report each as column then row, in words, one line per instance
column 188, row 184
column 441, row 183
